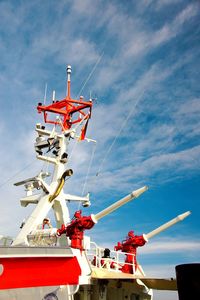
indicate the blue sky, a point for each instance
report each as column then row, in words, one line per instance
column 146, row 119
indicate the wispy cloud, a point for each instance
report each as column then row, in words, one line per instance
column 172, row 245
column 148, row 40
column 165, row 3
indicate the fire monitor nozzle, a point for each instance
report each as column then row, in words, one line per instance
column 121, row 202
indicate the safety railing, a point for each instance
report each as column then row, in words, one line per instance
column 43, row 238
column 114, row 262
column 5, row 241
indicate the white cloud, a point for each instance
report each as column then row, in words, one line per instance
column 192, row 107
column 186, row 14
column 160, row 271
column 165, row 271
column 170, row 165
column 172, row 245
column 85, row 8
column 165, row 295
column 164, row 3
column 147, row 40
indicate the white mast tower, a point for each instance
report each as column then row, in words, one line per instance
column 52, row 195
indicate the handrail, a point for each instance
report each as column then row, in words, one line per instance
column 6, row 240
column 114, row 262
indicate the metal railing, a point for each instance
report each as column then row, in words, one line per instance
column 5, row 241
column 114, row 262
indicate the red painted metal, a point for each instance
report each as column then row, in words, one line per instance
column 130, row 246
column 66, row 109
column 23, row 272
column 71, row 111
column 75, row 230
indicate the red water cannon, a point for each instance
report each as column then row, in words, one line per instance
column 129, row 246
column 69, row 111
column 75, row 230
column 132, row 242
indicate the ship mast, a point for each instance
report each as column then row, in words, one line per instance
column 66, row 113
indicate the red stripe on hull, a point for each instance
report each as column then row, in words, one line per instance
column 38, row 271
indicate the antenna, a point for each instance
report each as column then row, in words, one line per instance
column 45, row 94
column 54, row 96
column 69, row 70
column 66, row 108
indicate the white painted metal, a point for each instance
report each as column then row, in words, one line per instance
column 40, row 293
column 69, row 70
column 54, row 96
column 35, row 252
column 119, row 203
column 167, row 225
column 44, row 205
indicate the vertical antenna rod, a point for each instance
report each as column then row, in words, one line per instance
column 69, row 70
column 45, row 94
column 54, row 96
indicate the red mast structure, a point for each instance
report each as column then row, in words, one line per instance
column 66, row 109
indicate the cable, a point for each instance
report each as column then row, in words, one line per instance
column 91, row 73
column 72, row 151
column 45, row 94
column 89, row 167
column 9, row 179
column 119, row 132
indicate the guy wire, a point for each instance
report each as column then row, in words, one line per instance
column 118, row 134
column 91, row 73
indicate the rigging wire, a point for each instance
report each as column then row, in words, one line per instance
column 16, row 174
column 26, row 167
column 73, row 150
column 45, row 93
column 117, row 135
column 89, row 167
column 90, row 75
column 75, row 130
